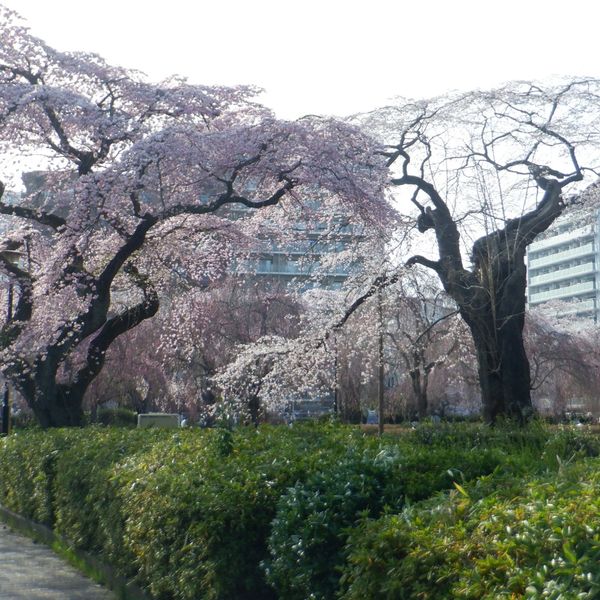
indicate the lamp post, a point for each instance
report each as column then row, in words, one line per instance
column 381, row 372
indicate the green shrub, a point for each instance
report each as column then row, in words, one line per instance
column 28, row 470
column 117, row 417
column 88, row 503
column 543, row 543
column 312, row 518
column 315, row 516
column 200, row 510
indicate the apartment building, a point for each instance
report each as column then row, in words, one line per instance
column 302, row 258
column 563, row 264
column 318, row 253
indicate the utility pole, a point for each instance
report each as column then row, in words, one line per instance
column 336, row 399
column 380, row 390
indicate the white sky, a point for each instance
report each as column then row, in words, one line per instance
column 330, row 56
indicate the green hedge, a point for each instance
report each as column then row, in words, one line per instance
column 315, row 516
column 541, row 542
column 88, row 500
column 257, row 513
column 200, row 510
column 28, row 467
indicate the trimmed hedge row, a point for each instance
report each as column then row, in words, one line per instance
column 260, row 513
column 538, row 538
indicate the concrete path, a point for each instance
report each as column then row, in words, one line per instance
column 30, row 571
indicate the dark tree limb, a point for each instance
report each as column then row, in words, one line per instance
column 114, row 327
column 41, row 217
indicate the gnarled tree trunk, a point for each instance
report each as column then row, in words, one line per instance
column 491, row 297
column 497, row 330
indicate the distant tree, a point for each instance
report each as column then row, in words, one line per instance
column 421, row 332
column 133, row 376
column 202, row 333
column 287, row 365
column 564, row 356
column 136, row 181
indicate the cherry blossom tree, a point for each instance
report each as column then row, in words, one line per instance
column 202, row 333
column 502, row 163
column 276, row 370
column 564, row 356
column 136, row 176
column 422, row 331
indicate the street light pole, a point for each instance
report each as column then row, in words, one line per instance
column 381, row 372
column 336, row 400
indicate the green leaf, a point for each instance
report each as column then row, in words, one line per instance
column 461, row 489
column 569, row 554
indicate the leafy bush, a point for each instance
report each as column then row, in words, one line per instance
column 312, row 518
column 88, row 503
column 315, row 516
column 543, row 543
column 200, row 510
column 117, row 417
column 28, row 471
column 194, row 514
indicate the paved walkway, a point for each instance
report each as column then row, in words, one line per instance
column 30, row 571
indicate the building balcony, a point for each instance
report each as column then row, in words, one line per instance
column 559, row 257
column 568, row 291
column 562, row 238
column 584, row 306
column 585, row 269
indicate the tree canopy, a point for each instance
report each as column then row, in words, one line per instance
column 134, row 176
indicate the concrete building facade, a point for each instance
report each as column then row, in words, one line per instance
column 563, row 265
column 306, row 254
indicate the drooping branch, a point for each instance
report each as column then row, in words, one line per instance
column 230, row 197
column 379, row 283
column 433, row 324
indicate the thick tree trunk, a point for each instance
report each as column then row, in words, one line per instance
column 419, row 385
column 61, row 404
column 491, row 294
column 58, row 406
column 497, row 329
column 504, row 376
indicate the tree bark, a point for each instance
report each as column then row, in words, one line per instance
column 419, row 385
column 497, row 329
column 61, row 404
column 58, row 406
